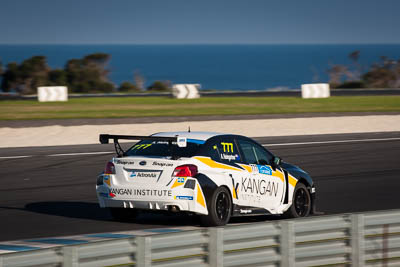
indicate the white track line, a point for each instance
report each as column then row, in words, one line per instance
column 335, row 141
column 79, row 154
column 15, row 157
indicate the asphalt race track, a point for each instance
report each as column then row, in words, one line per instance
column 50, row 191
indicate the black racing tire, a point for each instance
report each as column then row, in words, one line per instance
column 123, row 214
column 301, row 203
column 219, row 208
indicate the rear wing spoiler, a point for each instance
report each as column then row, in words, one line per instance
column 104, row 139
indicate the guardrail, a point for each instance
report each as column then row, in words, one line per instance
column 370, row 239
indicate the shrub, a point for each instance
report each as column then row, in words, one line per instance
column 128, row 87
column 160, row 86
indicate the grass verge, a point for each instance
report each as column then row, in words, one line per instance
column 162, row 106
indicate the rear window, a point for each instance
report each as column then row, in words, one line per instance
column 163, row 149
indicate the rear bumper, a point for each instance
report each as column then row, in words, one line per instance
column 186, row 200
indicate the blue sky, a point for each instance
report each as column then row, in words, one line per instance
column 199, row 21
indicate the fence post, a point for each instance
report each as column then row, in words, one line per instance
column 216, row 247
column 357, row 240
column 143, row 251
column 287, row 245
column 70, row 256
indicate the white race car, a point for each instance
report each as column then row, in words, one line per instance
column 210, row 174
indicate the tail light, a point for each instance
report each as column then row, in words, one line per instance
column 188, row 170
column 110, row 168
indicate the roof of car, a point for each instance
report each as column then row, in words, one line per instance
column 190, row 135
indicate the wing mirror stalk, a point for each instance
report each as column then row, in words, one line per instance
column 277, row 161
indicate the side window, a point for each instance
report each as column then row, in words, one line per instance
column 248, row 152
column 264, row 158
column 254, row 154
column 224, row 150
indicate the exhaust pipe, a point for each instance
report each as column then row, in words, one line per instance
column 173, row 208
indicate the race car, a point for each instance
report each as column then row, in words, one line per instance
column 213, row 175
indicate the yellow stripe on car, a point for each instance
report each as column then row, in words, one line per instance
column 292, row 181
column 247, row 167
column 200, row 197
column 279, row 174
column 214, row 164
column 234, row 193
column 177, row 183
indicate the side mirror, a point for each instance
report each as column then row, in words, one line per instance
column 277, row 161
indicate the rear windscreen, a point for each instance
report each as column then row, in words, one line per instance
column 163, row 149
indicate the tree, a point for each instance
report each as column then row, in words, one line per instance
column 34, row 73
column 336, row 75
column 342, row 76
column 89, row 74
column 57, row 77
column 161, row 86
column 128, row 87
column 10, row 77
column 26, row 77
column 385, row 74
column 355, row 55
column 1, row 72
column 355, row 74
column 139, row 80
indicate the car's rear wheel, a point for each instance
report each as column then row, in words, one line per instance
column 301, row 203
column 122, row 214
column 219, row 208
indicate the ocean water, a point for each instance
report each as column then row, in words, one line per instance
column 220, row 67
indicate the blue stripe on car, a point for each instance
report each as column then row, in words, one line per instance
column 196, row 141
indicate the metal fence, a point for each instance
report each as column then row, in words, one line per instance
column 370, row 239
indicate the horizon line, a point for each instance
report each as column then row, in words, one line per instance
column 94, row 44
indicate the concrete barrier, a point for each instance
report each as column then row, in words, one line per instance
column 189, row 91
column 53, row 93
column 315, row 90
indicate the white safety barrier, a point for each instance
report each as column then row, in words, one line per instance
column 52, row 93
column 315, row 90
column 186, row 91
column 370, row 239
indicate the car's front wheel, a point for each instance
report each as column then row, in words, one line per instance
column 301, row 203
column 122, row 214
column 219, row 208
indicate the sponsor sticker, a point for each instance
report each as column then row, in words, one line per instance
column 106, row 179
column 184, row 197
column 227, row 147
column 140, row 192
column 118, row 161
column 245, row 211
column 263, row 169
column 182, row 141
column 146, row 174
column 259, row 187
column 140, row 174
column 230, row 157
column 181, row 180
column 162, row 164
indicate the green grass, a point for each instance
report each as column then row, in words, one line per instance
column 126, row 107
